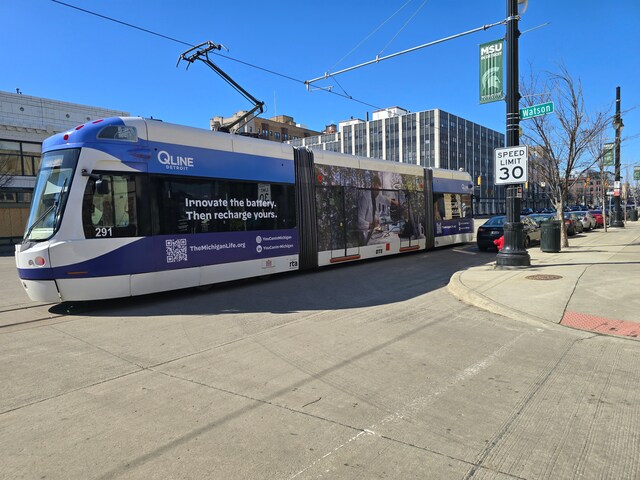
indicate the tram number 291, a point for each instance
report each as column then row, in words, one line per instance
column 104, row 231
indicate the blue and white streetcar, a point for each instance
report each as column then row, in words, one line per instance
column 130, row 206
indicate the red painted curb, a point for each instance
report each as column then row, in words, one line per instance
column 592, row 323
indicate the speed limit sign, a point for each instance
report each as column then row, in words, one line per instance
column 511, row 165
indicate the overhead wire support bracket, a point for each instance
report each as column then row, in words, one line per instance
column 327, row 89
column 201, row 52
column 379, row 59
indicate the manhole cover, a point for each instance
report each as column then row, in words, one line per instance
column 543, row 277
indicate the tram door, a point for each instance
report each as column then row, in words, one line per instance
column 338, row 220
column 406, row 222
column 411, row 223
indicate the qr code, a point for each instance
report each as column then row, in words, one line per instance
column 176, row 250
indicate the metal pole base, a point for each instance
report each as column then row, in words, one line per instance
column 512, row 254
column 616, row 220
column 506, row 261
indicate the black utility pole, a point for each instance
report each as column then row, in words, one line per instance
column 618, row 125
column 513, row 254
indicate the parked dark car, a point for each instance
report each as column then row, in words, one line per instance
column 577, row 220
column 573, row 223
column 578, row 208
column 541, row 217
column 493, row 229
column 526, row 211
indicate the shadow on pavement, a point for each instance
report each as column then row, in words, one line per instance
column 374, row 282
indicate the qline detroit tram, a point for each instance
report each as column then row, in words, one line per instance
column 131, row 206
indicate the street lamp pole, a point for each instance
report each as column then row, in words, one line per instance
column 513, row 254
column 618, row 125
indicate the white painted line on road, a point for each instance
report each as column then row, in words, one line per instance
column 364, row 432
column 422, row 402
column 468, row 252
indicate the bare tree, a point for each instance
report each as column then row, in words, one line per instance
column 561, row 140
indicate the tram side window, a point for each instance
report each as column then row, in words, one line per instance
column 451, row 206
column 465, row 206
column 195, row 205
column 109, row 207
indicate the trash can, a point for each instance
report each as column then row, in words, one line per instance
column 550, row 236
column 633, row 215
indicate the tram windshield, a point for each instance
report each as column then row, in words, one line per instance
column 51, row 192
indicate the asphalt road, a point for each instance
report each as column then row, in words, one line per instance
column 356, row 372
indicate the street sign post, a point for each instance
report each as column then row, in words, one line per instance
column 536, row 110
column 511, row 165
column 617, row 186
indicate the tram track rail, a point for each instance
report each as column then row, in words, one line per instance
column 39, row 315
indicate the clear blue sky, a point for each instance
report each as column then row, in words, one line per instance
column 52, row 51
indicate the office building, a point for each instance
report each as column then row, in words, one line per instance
column 431, row 138
column 25, row 122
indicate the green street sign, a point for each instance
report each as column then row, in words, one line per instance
column 491, row 71
column 608, row 159
column 536, row 110
column 636, row 173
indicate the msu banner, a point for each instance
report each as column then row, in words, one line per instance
column 491, row 71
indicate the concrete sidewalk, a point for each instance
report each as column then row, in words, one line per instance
column 593, row 285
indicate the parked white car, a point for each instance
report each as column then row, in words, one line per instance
column 588, row 220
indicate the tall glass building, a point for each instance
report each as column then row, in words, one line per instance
column 432, row 138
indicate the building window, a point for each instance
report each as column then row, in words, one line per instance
column 347, row 138
column 15, row 196
column 375, row 138
column 392, row 139
column 360, row 139
column 409, row 139
column 19, row 158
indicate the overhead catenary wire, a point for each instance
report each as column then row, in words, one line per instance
column 166, row 37
column 302, row 82
column 370, row 34
column 379, row 59
column 535, row 28
column 111, row 19
column 403, row 27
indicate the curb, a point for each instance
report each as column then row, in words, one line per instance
column 457, row 288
